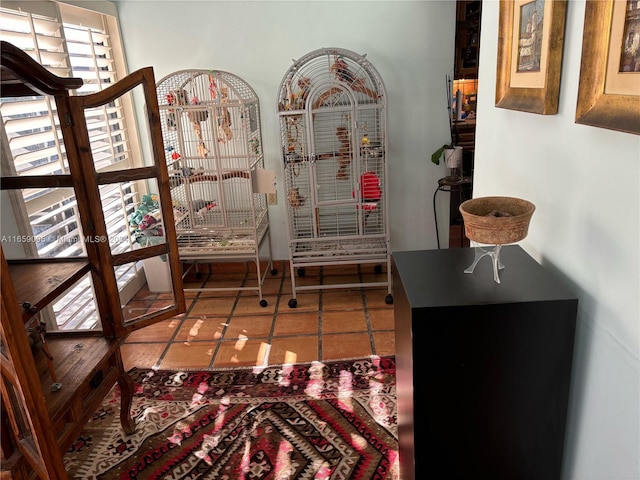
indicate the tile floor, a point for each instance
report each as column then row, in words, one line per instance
column 230, row 328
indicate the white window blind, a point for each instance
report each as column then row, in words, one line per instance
column 76, row 42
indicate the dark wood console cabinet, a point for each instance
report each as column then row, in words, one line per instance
column 483, row 369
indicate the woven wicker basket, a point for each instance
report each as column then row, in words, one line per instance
column 496, row 220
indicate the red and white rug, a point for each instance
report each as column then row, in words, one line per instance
column 333, row 420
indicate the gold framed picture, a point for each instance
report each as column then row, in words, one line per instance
column 609, row 89
column 530, row 42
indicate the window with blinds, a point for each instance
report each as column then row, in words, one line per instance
column 76, row 42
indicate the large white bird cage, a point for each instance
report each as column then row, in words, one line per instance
column 213, row 145
column 333, row 121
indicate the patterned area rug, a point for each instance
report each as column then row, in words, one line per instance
column 334, row 420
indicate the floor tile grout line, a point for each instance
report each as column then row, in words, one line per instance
column 277, row 311
column 265, row 337
column 218, row 342
column 270, row 335
column 184, row 316
column 367, row 319
column 320, row 316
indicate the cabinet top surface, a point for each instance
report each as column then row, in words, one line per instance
column 436, row 278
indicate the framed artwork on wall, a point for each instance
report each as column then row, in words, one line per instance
column 530, row 43
column 609, row 90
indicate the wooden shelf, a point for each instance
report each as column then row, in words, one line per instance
column 465, row 134
column 40, row 281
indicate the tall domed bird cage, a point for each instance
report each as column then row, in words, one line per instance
column 333, row 123
column 213, row 147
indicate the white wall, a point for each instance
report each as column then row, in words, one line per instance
column 409, row 43
column 583, row 180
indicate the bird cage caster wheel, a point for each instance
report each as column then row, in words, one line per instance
column 301, row 272
column 263, row 303
column 293, row 303
column 388, row 299
column 274, row 271
column 377, row 269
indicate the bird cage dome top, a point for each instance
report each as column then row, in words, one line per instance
column 215, row 86
column 329, row 77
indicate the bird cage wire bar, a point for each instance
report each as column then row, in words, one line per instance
column 332, row 112
column 213, row 147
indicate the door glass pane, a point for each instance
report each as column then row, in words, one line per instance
column 154, row 295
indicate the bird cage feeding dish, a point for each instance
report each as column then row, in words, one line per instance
column 213, row 146
column 333, row 124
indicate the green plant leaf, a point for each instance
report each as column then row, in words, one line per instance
column 435, row 156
